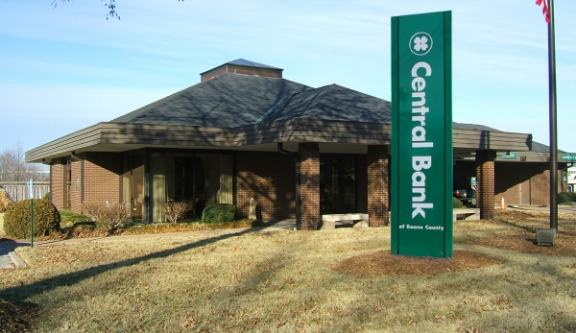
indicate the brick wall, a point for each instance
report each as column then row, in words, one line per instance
column 76, row 186
column 485, row 175
column 310, row 189
column 102, row 177
column 540, row 188
column 57, row 185
column 269, row 178
column 521, row 183
column 378, row 178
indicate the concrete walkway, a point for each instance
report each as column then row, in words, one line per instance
column 9, row 258
column 563, row 209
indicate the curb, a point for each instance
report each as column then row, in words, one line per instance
column 18, row 262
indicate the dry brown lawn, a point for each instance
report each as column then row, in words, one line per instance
column 344, row 280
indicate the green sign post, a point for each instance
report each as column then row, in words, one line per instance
column 421, row 200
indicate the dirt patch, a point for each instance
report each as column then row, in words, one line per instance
column 383, row 263
column 16, row 317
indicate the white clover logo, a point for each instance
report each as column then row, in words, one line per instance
column 421, row 43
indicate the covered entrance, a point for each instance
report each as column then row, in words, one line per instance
column 338, row 184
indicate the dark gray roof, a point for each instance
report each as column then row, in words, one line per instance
column 232, row 100
column 331, row 102
column 228, row 100
column 542, row 148
column 473, row 127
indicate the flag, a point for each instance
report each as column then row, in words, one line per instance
column 545, row 10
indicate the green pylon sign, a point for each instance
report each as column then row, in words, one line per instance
column 421, row 182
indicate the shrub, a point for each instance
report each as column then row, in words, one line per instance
column 114, row 216
column 173, row 210
column 111, row 215
column 4, row 200
column 219, row 213
column 565, row 197
column 92, row 210
column 46, row 196
column 17, row 218
column 456, row 203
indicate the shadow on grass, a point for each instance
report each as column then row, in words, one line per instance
column 25, row 291
column 511, row 224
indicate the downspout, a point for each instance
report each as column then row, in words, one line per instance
column 296, row 156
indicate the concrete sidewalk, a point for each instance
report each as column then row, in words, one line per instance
column 10, row 259
column 562, row 209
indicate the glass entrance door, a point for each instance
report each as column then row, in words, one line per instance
column 337, row 184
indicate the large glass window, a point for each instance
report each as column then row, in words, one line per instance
column 133, row 184
column 198, row 180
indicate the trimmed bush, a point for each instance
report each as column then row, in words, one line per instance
column 456, row 203
column 566, row 197
column 563, row 198
column 219, row 213
column 17, row 219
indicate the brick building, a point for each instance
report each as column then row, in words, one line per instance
column 245, row 132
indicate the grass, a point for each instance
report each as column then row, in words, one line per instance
column 243, row 281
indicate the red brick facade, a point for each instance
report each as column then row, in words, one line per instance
column 58, row 192
column 485, row 175
column 519, row 183
column 310, row 185
column 102, row 177
column 269, row 178
column 76, row 186
column 378, row 179
column 90, row 177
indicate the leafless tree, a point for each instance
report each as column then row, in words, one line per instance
column 13, row 167
column 109, row 4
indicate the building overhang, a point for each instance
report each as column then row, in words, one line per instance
column 332, row 136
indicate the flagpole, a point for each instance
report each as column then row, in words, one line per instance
column 552, row 111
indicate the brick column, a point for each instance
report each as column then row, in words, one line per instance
column 378, row 178
column 485, row 175
column 310, row 185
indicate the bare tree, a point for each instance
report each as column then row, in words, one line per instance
column 13, row 167
column 109, row 4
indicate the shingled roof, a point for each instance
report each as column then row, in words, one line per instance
column 331, row 102
column 228, row 100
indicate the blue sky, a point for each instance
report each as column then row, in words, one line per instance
column 67, row 68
